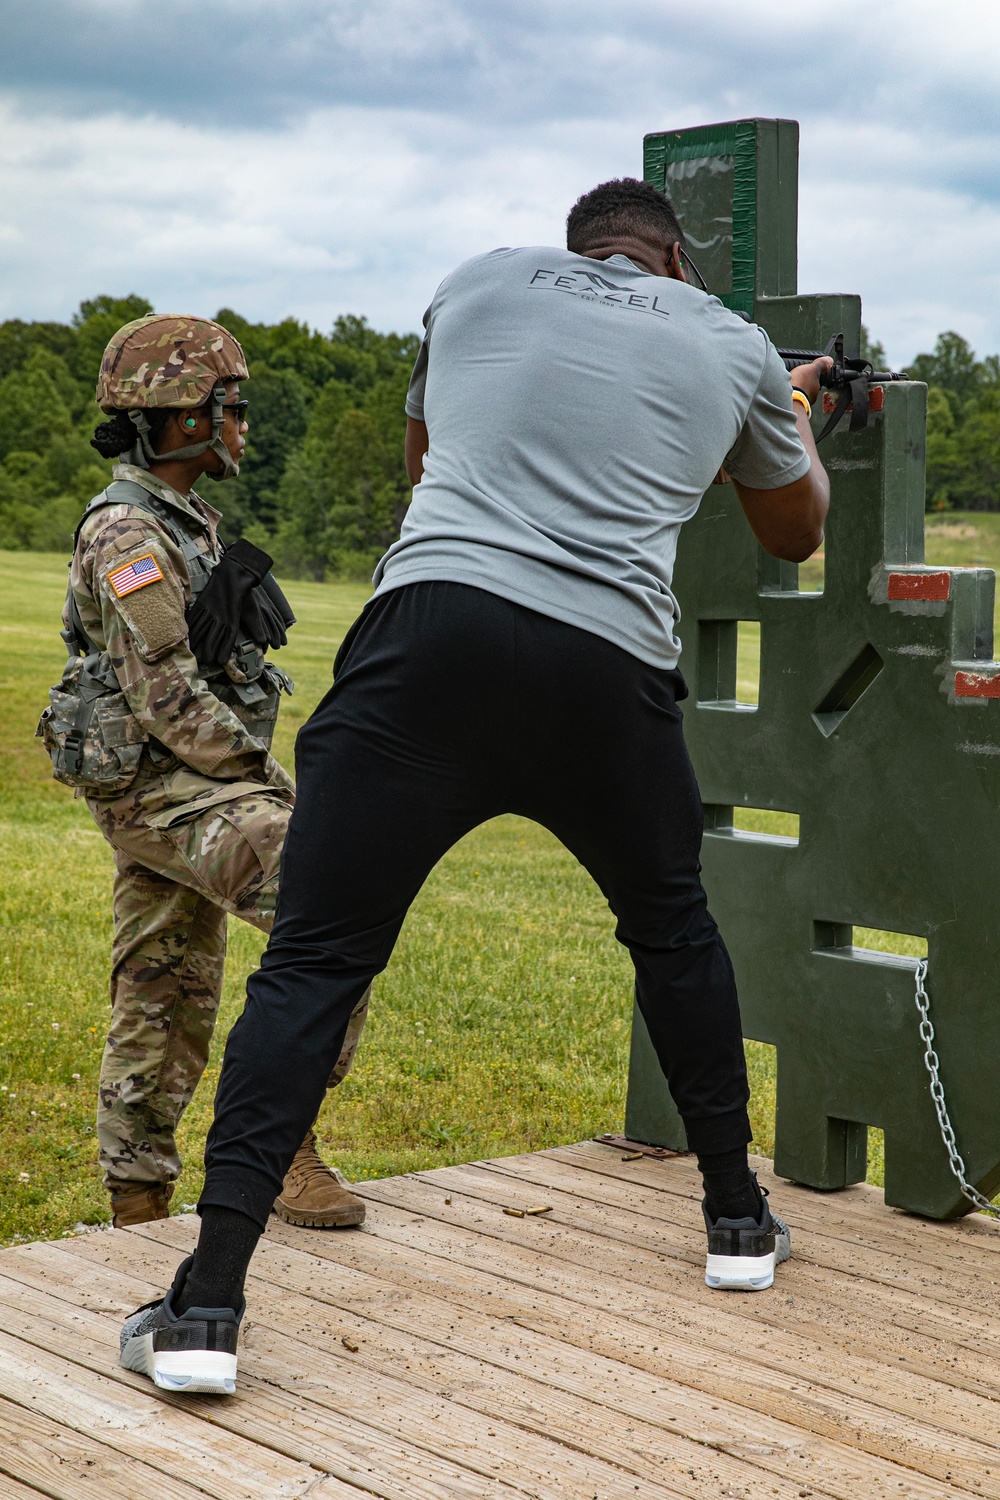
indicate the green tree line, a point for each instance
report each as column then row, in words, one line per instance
column 963, row 425
column 323, row 486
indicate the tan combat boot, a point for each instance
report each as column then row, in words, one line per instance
column 314, row 1195
column 139, row 1202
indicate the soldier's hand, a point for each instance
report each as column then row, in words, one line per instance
column 807, row 377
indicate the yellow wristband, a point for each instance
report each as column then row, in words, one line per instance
column 803, row 400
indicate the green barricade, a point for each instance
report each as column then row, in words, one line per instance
column 876, row 723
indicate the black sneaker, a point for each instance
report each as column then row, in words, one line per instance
column 742, row 1253
column 195, row 1351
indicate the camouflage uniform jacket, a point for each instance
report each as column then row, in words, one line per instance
column 196, row 741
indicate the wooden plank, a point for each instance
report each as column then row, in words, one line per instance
column 365, row 1458
column 922, row 1394
column 346, row 1449
column 628, row 1393
column 817, row 1293
column 331, row 1488
column 874, row 1322
column 723, row 1327
column 858, row 1211
column 680, row 1233
column 331, row 1379
column 630, row 1214
column 751, row 1385
column 910, row 1313
column 13, row 1489
column 912, row 1321
column 38, row 1456
column 492, row 1367
column 960, row 1285
column 674, row 1223
column 853, row 1214
column 139, row 1425
column 501, row 1357
column 586, row 1231
column 360, row 1385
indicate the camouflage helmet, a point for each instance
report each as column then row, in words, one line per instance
column 165, row 361
column 161, row 360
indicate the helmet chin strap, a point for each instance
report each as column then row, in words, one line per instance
column 142, row 453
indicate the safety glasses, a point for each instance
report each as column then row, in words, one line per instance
column 239, row 407
column 691, row 272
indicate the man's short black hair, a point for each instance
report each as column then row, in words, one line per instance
column 624, row 208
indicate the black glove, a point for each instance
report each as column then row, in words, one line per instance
column 266, row 615
column 214, row 617
column 272, row 589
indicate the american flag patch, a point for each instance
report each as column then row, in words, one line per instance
column 135, row 575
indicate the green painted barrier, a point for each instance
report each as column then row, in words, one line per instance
column 876, row 723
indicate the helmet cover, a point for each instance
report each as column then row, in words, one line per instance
column 164, row 360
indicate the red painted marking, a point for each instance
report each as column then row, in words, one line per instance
column 876, row 400
column 934, row 586
column 976, row 685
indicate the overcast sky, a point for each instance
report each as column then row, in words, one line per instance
column 315, row 157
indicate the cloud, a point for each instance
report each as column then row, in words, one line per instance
column 311, row 157
column 261, row 62
column 354, row 210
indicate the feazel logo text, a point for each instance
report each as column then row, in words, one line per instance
column 594, row 288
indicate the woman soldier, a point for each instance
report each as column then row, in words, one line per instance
column 163, row 721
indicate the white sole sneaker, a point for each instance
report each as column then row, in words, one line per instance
column 198, row 1371
column 742, row 1254
column 740, row 1273
column 193, row 1352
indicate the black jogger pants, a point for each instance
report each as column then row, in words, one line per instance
column 452, row 705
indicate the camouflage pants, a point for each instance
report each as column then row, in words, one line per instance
column 174, row 884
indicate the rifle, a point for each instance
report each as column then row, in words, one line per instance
column 851, row 377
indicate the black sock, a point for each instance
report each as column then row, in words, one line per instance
column 226, row 1243
column 731, row 1190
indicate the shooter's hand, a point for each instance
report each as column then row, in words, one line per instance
column 788, row 521
column 807, row 377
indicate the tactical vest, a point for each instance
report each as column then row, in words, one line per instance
column 91, row 735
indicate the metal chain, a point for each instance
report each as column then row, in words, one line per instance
column 933, row 1065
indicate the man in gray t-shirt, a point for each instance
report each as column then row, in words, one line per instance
column 579, row 412
column 567, row 411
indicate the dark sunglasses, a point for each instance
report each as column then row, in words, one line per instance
column 239, row 407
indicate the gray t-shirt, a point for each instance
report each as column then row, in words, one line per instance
column 577, row 412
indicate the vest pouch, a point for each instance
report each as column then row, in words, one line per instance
column 256, row 701
column 92, row 736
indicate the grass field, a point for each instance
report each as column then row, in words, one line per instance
column 501, row 1024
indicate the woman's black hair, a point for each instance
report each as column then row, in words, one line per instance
column 117, row 435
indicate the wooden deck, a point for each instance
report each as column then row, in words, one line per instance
column 450, row 1351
